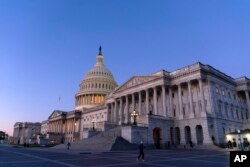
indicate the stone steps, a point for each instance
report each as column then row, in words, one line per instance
column 100, row 142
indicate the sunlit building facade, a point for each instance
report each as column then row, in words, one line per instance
column 196, row 103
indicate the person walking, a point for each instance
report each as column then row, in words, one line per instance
column 68, row 145
column 141, row 148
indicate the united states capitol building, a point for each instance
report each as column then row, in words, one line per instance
column 196, row 103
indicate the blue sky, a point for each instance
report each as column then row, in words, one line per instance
column 47, row 46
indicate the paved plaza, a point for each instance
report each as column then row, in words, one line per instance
column 29, row 157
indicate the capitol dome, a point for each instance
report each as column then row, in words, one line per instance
column 97, row 83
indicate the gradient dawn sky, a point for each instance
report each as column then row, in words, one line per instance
column 47, row 46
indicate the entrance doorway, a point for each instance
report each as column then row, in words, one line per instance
column 188, row 134
column 157, row 137
column 199, row 134
column 177, row 135
column 172, row 135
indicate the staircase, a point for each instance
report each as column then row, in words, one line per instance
column 100, row 142
column 208, row 147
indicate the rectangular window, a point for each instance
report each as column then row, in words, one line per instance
column 219, row 107
column 217, row 90
column 223, row 93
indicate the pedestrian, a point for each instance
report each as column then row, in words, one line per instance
column 68, row 145
column 141, row 148
column 191, row 144
column 229, row 144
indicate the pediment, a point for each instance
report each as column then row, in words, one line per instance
column 55, row 114
column 134, row 81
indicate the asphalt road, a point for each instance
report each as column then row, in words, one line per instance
column 45, row 157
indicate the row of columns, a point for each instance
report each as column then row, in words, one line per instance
column 55, row 126
column 90, row 99
column 117, row 114
column 58, row 127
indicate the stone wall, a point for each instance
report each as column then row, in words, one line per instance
column 135, row 134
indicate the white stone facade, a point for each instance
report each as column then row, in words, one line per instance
column 200, row 104
column 25, row 131
column 196, row 103
column 44, row 127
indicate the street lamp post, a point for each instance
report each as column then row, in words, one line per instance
column 134, row 115
column 241, row 148
column 93, row 122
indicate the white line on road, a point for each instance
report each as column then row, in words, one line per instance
column 15, row 162
column 44, row 159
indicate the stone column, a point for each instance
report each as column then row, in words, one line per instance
column 115, row 112
column 203, row 111
column 126, row 110
column 193, row 134
column 180, row 102
column 74, row 121
column 163, row 94
column 211, row 95
column 147, row 101
column 248, row 103
column 183, row 136
column 56, row 126
column 93, row 99
column 155, row 102
column 190, row 98
column 120, row 112
column 112, row 112
column 139, row 102
column 170, row 103
column 133, row 102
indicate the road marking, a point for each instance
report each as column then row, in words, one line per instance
column 44, row 159
column 191, row 158
column 207, row 161
column 13, row 162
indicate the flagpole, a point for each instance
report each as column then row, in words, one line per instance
column 59, row 102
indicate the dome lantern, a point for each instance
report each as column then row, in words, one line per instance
column 99, row 57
